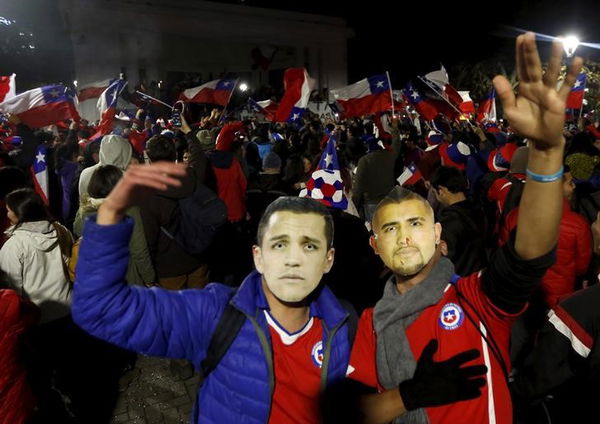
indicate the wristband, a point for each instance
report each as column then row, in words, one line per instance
column 541, row 178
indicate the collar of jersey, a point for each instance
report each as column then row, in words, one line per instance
column 288, row 338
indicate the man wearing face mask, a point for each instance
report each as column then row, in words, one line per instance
column 424, row 299
column 295, row 338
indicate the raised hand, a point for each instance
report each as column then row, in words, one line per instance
column 538, row 111
column 137, row 182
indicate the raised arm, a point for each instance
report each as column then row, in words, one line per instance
column 152, row 321
column 537, row 113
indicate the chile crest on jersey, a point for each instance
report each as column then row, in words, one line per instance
column 451, row 316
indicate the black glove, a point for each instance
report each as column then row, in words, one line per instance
column 440, row 383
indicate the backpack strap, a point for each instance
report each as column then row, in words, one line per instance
column 227, row 329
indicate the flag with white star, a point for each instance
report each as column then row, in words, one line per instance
column 39, row 172
column 217, row 92
column 298, row 85
column 575, row 99
column 367, row 96
column 107, row 106
column 424, row 107
column 42, row 106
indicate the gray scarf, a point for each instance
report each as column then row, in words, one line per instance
column 392, row 315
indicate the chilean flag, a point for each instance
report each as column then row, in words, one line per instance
column 42, row 106
column 215, row 92
column 7, row 87
column 266, row 107
column 365, row 97
column 487, row 108
column 410, row 175
column 441, row 81
column 93, row 90
column 575, row 99
column 422, row 106
column 467, row 105
column 39, row 172
column 107, row 105
column 298, row 86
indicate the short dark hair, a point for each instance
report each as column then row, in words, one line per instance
column 103, row 180
column 398, row 195
column 450, row 177
column 12, row 178
column 27, row 205
column 297, row 205
column 159, row 148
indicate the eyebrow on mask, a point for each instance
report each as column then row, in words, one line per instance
column 416, row 219
column 311, row 240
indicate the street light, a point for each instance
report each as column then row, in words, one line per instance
column 570, row 43
column 243, row 87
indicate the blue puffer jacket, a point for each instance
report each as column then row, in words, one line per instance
column 180, row 324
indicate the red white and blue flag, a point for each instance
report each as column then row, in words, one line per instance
column 39, row 172
column 575, row 99
column 367, row 96
column 487, row 108
column 107, row 105
column 467, row 106
column 423, row 107
column 93, row 90
column 42, row 106
column 217, row 92
column 268, row 108
column 411, row 175
column 440, row 81
column 7, row 87
column 298, row 85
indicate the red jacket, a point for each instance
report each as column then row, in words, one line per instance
column 573, row 254
column 493, row 405
column 231, row 183
column 16, row 397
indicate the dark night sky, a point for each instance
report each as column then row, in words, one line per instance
column 413, row 37
column 404, row 37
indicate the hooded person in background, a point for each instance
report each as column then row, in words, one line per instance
column 114, row 150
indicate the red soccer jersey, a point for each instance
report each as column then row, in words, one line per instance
column 447, row 322
column 297, row 360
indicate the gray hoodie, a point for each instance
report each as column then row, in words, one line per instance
column 114, row 150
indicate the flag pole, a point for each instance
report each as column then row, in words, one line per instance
column 154, row 98
column 228, row 100
column 391, row 93
column 445, row 99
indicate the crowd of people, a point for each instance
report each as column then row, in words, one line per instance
column 374, row 269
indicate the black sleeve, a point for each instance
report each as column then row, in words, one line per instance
column 552, row 363
column 25, row 157
column 509, row 281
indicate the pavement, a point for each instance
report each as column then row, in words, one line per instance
column 151, row 394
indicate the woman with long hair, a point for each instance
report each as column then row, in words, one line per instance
column 33, row 259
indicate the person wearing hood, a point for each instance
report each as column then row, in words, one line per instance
column 114, row 150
